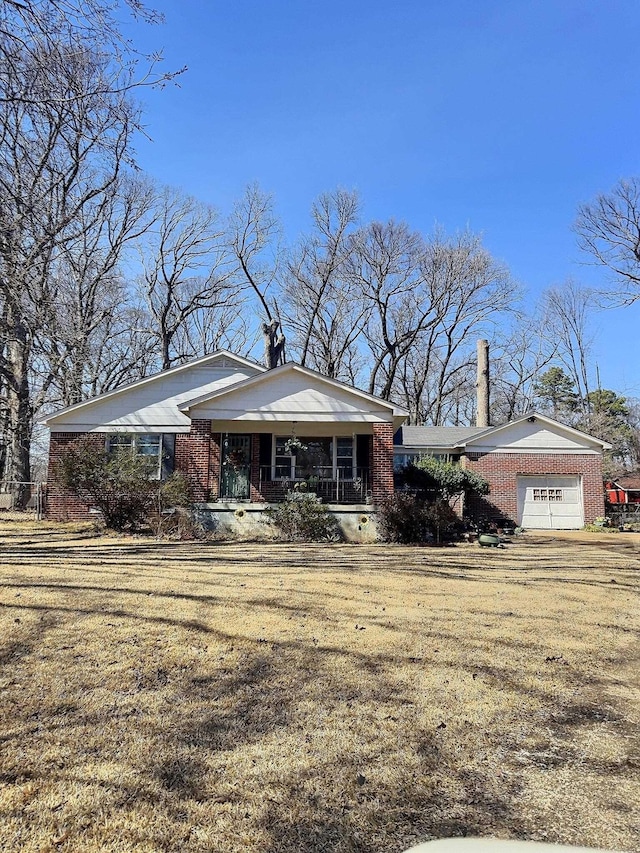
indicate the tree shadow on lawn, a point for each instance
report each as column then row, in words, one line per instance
column 373, row 816
column 235, row 733
column 202, row 559
column 342, row 798
column 345, row 803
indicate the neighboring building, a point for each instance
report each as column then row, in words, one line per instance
column 624, row 492
column 245, row 436
column 542, row 474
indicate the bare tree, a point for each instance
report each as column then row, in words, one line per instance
column 567, row 311
column 253, row 237
column 430, row 299
column 58, row 156
column 87, row 295
column 322, row 305
column 123, row 349
column 520, row 353
column 186, row 270
column 609, row 230
column 225, row 326
column 385, row 268
column 46, row 32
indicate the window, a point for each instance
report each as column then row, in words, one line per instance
column 344, row 457
column 547, row 495
column 404, row 458
column 284, row 460
column 142, row 444
column 318, row 457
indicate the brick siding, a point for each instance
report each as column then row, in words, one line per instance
column 61, row 504
column 502, row 469
column 196, row 459
column 382, row 462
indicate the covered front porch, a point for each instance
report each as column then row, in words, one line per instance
column 290, row 430
column 265, row 466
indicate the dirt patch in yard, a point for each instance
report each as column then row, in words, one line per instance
column 163, row 697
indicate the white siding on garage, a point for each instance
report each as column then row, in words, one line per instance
column 550, row 502
column 534, row 437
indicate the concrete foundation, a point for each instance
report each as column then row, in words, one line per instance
column 248, row 521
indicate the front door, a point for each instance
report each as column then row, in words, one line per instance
column 235, row 482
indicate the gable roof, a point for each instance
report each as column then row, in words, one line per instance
column 547, row 421
column 203, row 361
column 456, row 437
column 629, row 482
column 291, row 368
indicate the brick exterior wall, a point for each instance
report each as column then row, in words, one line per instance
column 502, row 469
column 382, row 462
column 194, row 457
column 62, row 505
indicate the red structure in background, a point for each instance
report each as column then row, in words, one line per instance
column 624, row 490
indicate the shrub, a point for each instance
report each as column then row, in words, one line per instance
column 599, row 528
column 180, row 524
column 447, row 479
column 423, row 510
column 442, row 520
column 302, row 518
column 120, row 485
column 404, row 518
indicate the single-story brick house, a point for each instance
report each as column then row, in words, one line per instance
column 245, row 435
column 542, row 474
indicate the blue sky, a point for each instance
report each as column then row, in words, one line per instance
column 499, row 115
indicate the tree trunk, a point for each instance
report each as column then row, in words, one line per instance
column 18, row 467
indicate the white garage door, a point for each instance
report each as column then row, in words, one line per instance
column 550, row 503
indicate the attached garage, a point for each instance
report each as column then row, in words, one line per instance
column 542, row 474
column 550, row 502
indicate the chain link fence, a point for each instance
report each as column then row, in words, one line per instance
column 22, row 501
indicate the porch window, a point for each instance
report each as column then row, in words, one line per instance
column 318, row 457
column 284, row 460
column 344, row 457
column 141, row 444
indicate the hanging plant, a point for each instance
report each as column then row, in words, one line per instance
column 293, row 445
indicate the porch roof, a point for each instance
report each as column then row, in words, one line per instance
column 294, row 393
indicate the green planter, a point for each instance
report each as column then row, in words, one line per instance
column 489, row 540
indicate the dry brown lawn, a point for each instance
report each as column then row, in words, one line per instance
column 243, row 697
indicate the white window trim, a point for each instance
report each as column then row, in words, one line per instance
column 334, row 457
column 135, row 436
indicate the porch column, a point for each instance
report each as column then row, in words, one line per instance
column 193, row 457
column 214, row 466
column 254, row 475
column 382, row 468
